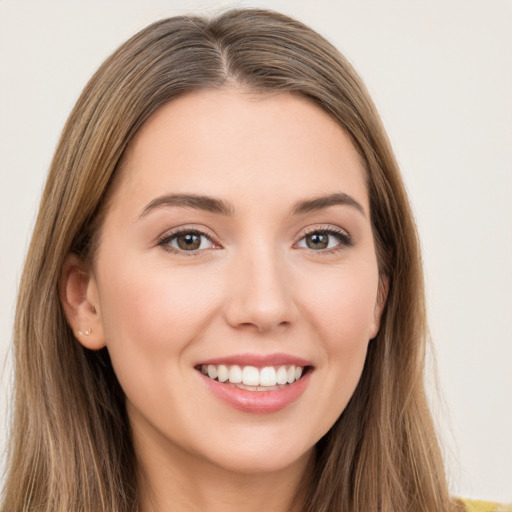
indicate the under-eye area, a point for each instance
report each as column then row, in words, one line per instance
column 252, row 378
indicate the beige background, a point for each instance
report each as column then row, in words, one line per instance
column 440, row 72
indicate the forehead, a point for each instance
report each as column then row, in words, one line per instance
column 239, row 144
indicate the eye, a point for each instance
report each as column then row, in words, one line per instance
column 187, row 241
column 325, row 240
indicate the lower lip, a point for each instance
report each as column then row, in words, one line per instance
column 258, row 402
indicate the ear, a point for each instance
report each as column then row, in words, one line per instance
column 80, row 301
column 382, row 295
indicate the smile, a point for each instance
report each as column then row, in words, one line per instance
column 256, row 383
column 252, row 378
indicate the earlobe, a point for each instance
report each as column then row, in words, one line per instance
column 80, row 301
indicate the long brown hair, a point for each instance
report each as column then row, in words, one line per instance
column 70, row 447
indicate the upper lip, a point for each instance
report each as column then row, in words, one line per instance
column 258, row 360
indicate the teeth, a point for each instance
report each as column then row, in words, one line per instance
column 222, row 373
column 268, row 376
column 235, row 374
column 212, row 371
column 252, row 378
column 281, row 375
column 258, row 388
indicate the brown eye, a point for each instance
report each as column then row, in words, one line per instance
column 325, row 240
column 188, row 241
column 317, row 240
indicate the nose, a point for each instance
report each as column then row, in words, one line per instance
column 260, row 295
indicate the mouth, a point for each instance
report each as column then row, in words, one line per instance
column 257, row 383
column 254, row 378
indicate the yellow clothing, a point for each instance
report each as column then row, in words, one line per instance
column 484, row 506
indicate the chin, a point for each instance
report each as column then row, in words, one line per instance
column 262, row 460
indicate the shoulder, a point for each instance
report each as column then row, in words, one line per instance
column 466, row 505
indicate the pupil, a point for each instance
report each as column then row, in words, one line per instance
column 317, row 241
column 189, row 242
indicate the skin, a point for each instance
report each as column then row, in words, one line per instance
column 254, row 286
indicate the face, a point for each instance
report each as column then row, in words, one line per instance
column 236, row 283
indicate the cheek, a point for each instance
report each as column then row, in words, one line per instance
column 342, row 314
column 151, row 315
column 151, row 312
column 344, row 308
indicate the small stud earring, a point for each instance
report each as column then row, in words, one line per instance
column 84, row 333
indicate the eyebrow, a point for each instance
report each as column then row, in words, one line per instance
column 324, row 202
column 208, row 204
column 218, row 206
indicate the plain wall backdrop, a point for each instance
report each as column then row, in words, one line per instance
column 440, row 73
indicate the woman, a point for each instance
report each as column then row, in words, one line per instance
column 222, row 304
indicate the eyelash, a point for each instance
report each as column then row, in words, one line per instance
column 344, row 240
column 165, row 241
